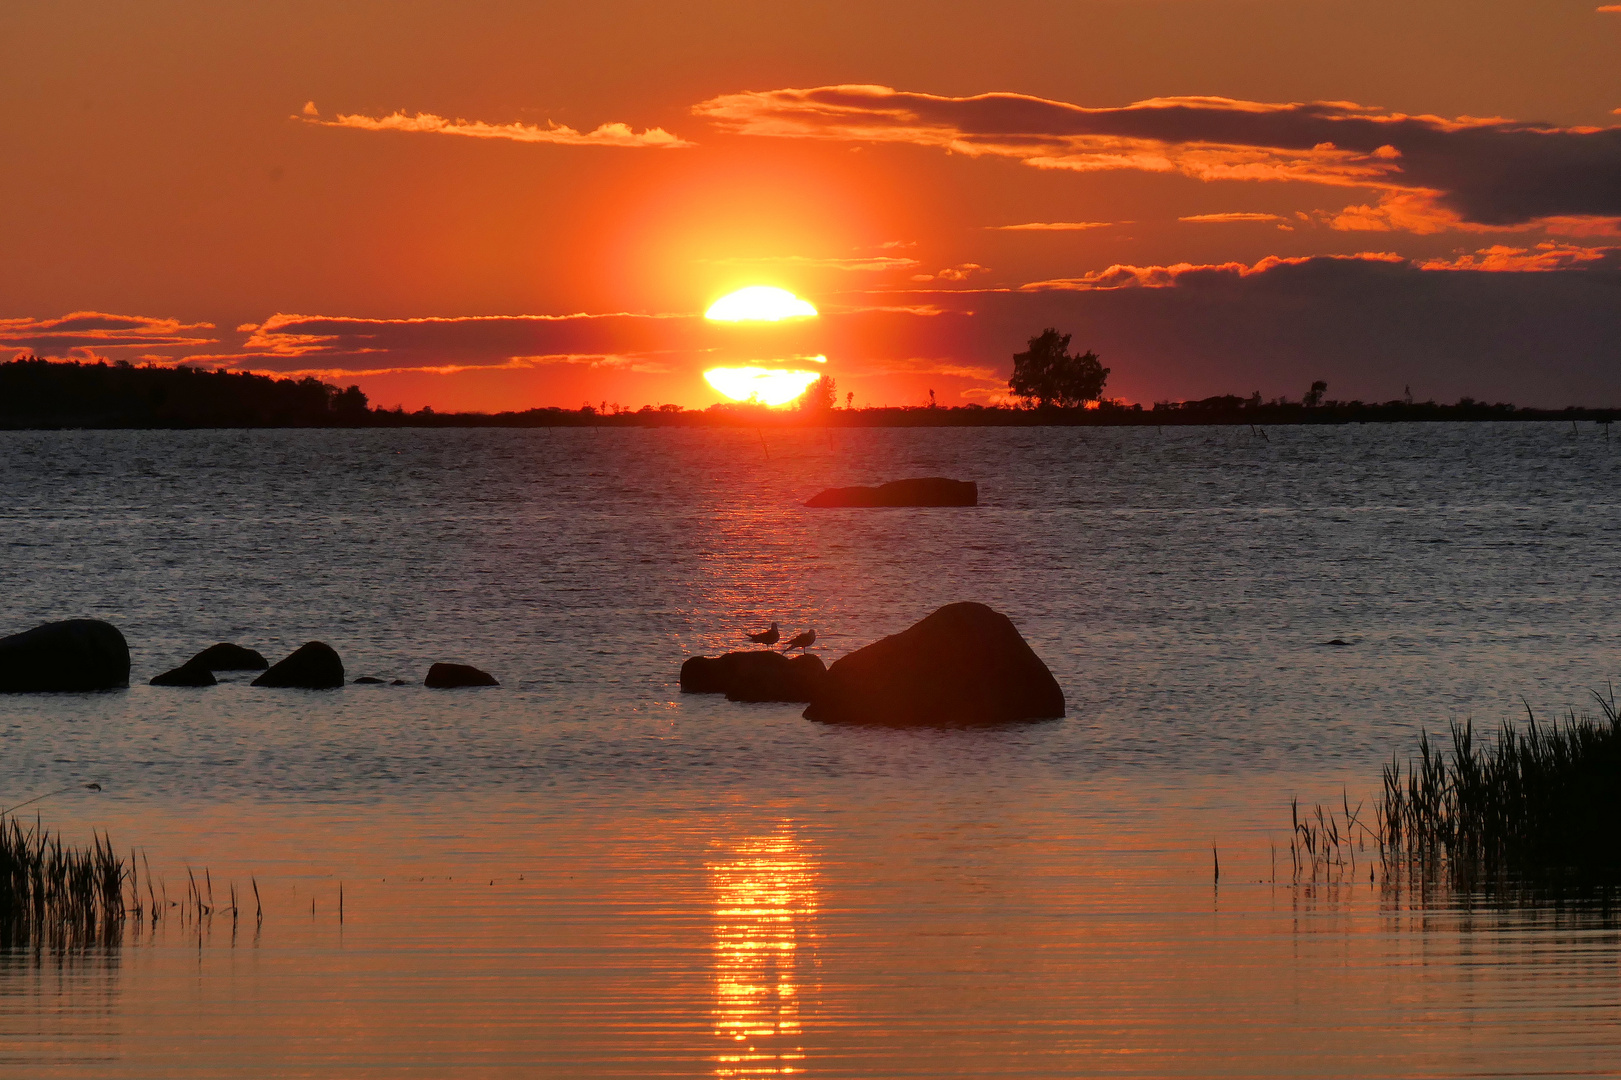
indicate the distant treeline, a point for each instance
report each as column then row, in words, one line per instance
column 37, row 393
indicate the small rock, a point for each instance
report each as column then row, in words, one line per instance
column 368, row 680
column 398, row 682
column 964, row 665
column 923, row 491
column 313, row 666
column 190, row 673
column 75, row 655
column 450, row 676
column 228, row 657
column 753, row 675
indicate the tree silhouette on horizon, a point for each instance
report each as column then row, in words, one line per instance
column 1046, row 374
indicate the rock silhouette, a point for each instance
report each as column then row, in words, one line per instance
column 924, row 491
column 368, row 680
column 450, row 676
column 313, row 666
column 753, row 675
column 228, row 657
column 191, row 673
column 964, row 665
column 72, row 655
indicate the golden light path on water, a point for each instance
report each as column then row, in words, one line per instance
column 765, row 900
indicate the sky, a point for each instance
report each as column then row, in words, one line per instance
column 503, row 205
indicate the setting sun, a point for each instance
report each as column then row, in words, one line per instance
column 759, row 303
column 768, row 386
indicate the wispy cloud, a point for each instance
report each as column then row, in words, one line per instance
column 960, row 272
column 1543, row 258
column 1612, row 8
column 1126, row 276
column 92, row 333
column 1488, row 172
column 869, row 263
column 1054, row 226
column 615, row 134
column 1230, row 218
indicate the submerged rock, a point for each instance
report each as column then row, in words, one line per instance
column 74, row 655
column 924, row 491
column 191, row 673
column 451, row 676
column 964, row 665
column 228, row 657
column 754, row 675
column 314, row 666
column 368, row 680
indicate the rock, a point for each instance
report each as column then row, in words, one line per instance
column 191, row 673
column 925, row 491
column 313, row 666
column 74, row 655
column 450, row 676
column 228, row 657
column 398, row 682
column 754, row 675
column 964, row 665
column 368, row 680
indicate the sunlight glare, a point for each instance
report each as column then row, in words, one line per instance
column 768, row 386
column 759, row 303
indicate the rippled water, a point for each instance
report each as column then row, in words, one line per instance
column 585, row 873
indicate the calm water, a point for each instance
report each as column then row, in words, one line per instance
column 583, row 873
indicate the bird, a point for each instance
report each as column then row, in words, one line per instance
column 801, row 641
column 766, row 637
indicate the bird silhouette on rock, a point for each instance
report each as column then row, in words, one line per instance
column 801, row 641
column 766, row 637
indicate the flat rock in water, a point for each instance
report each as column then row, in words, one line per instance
column 924, row 491
column 368, row 680
column 314, row 666
column 191, row 673
column 754, row 675
column 965, row 665
column 228, row 657
column 451, row 676
column 74, row 655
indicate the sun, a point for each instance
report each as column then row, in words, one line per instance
column 768, row 386
column 759, row 303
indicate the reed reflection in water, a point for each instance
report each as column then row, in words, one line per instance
column 765, row 899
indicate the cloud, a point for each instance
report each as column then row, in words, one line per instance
column 1055, row 226
column 1614, row 8
column 1488, row 172
column 93, row 333
column 614, row 134
column 1230, row 218
column 960, row 272
column 1125, row 276
column 1544, row 258
column 869, row 263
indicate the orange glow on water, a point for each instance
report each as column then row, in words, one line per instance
column 768, row 386
column 759, row 303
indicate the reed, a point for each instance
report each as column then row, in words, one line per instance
column 59, row 896
column 1539, row 800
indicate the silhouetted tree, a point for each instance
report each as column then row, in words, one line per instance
column 819, row 396
column 1314, row 396
column 1047, row 375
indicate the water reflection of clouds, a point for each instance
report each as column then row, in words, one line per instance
column 764, row 894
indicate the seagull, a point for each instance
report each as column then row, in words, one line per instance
column 801, row 641
column 766, row 637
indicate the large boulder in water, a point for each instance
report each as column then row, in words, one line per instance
column 228, row 657
column 314, row 666
column 754, row 675
column 450, row 676
column 191, row 673
column 924, row 491
column 964, row 665
column 73, row 655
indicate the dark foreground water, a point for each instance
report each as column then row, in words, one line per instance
column 584, row 873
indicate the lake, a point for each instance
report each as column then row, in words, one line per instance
column 585, row 873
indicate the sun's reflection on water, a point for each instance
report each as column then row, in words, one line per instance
column 765, row 899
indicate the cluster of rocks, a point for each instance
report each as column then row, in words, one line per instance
column 79, row 655
column 965, row 665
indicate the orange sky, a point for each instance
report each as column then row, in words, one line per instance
column 563, row 192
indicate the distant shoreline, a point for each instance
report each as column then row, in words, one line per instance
column 40, row 395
